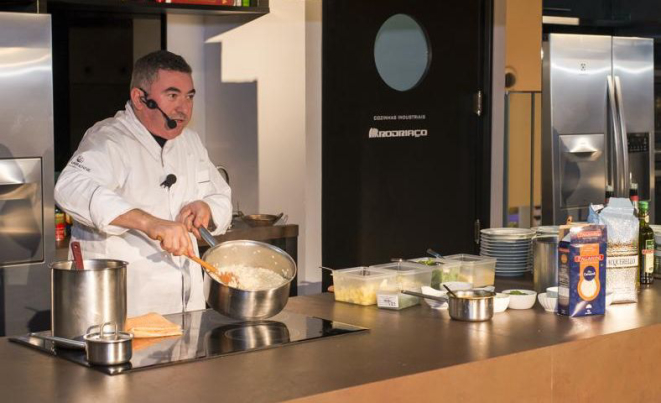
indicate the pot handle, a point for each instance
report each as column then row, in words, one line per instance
column 421, row 295
column 61, row 341
column 208, row 238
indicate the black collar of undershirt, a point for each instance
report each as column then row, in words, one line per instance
column 160, row 140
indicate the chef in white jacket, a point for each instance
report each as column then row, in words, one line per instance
column 141, row 182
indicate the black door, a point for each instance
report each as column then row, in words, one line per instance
column 403, row 171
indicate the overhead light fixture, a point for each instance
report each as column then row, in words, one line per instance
column 550, row 19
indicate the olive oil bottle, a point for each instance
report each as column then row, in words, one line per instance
column 645, row 245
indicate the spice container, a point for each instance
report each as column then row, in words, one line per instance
column 477, row 270
column 409, row 276
column 359, row 285
column 443, row 270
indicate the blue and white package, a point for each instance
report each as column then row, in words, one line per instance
column 582, row 270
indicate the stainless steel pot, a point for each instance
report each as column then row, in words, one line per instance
column 469, row 305
column 101, row 347
column 545, row 262
column 81, row 299
column 241, row 304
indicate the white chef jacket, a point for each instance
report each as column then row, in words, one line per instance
column 119, row 167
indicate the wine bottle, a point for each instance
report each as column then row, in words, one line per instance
column 645, row 245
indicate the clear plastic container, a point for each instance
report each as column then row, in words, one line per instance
column 443, row 270
column 391, row 298
column 410, row 276
column 478, row 270
column 359, row 285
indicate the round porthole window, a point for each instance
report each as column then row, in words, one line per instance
column 401, row 52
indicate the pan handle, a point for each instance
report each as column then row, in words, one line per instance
column 421, row 295
column 60, row 341
column 208, row 238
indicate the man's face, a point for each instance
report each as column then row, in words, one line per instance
column 173, row 91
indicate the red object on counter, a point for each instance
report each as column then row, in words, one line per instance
column 77, row 255
column 205, row 2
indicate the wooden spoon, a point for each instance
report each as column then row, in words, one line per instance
column 225, row 277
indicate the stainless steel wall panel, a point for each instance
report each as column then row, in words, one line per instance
column 579, row 66
column 21, row 211
column 633, row 63
column 26, row 134
column 582, row 170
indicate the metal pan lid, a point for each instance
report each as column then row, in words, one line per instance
column 110, row 337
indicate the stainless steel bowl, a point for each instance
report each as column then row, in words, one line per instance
column 260, row 220
column 242, row 304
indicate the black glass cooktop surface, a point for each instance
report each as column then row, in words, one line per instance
column 207, row 334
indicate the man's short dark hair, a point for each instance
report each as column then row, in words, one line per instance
column 145, row 70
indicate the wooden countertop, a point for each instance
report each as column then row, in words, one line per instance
column 417, row 354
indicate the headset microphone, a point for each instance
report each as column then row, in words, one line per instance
column 151, row 104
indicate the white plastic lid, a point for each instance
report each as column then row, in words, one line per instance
column 445, row 263
column 365, row 273
column 404, row 267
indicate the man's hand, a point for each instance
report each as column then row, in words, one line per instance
column 195, row 215
column 173, row 235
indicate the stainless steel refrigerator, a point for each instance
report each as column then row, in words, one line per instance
column 27, row 244
column 598, row 122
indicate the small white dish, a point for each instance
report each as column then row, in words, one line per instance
column 525, row 300
column 500, row 302
column 486, row 288
column 552, row 292
column 550, row 304
column 434, row 304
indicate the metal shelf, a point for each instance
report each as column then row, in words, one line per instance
column 152, row 7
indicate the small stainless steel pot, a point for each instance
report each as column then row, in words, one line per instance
column 469, row 305
column 101, row 348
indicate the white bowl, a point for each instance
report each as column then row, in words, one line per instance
column 552, row 292
column 521, row 301
column 434, row 304
column 550, row 304
column 501, row 302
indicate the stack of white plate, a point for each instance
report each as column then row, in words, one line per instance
column 512, row 247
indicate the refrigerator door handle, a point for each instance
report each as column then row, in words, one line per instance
column 615, row 158
column 623, row 134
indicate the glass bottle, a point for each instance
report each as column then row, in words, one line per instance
column 633, row 196
column 609, row 193
column 645, row 245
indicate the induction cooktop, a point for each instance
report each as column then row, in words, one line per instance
column 207, row 334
